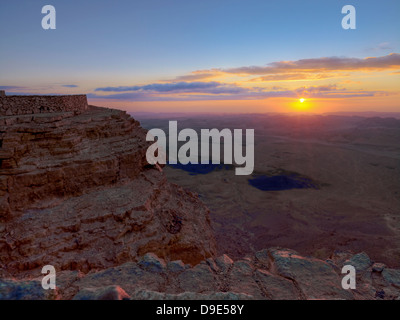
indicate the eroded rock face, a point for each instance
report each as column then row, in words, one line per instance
column 44, row 156
column 77, row 192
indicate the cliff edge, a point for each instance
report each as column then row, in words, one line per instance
column 77, row 192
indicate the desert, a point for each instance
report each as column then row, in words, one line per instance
column 353, row 162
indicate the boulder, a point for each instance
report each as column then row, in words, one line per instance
column 315, row 278
column 105, row 293
column 176, row 266
column 276, row 288
column 361, row 262
column 150, row 262
column 224, row 262
column 25, row 290
column 392, row 276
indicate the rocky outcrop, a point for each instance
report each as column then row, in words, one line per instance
column 77, row 192
column 271, row 274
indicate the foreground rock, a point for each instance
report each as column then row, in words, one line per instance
column 272, row 274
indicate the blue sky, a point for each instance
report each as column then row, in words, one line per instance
column 137, row 43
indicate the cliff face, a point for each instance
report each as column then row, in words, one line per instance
column 76, row 192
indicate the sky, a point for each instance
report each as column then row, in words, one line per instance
column 206, row 56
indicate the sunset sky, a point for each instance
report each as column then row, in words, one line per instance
column 206, row 56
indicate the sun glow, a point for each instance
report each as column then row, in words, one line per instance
column 302, row 105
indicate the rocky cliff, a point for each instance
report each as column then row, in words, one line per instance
column 76, row 192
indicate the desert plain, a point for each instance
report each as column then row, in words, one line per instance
column 354, row 160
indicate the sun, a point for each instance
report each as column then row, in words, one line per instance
column 302, row 104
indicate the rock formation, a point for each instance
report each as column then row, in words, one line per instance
column 271, row 274
column 76, row 192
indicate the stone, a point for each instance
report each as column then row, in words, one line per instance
column 392, row 276
column 378, row 267
column 229, row 296
column 241, row 280
column 242, row 267
column 315, row 278
column 263, row 258
column 106, row 293
column 24, row 290
column 128, row 275
column 176, row 266
column 211, row 263
column 291, row 276
column 150, row 262
column 224, row 262
column 361, row 262
column 151, row 295
column 148, row 295
column 198, row 279
column 28, row 105
column 333, row 265
column 275, row 287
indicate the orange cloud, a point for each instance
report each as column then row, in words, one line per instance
column 294, row 76
column 198, row 75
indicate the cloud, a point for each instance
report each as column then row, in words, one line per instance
column 294, row 76
column 244, row 95
column 11, row 88
column 381, row 47
column 137, row 96
column 70, row 86
column 196, row 76
column 311, row 89
column 326, row 91
column 333, row 91
column 391, row 61
column 303, row 69
column 350, row 81
column 211, row 87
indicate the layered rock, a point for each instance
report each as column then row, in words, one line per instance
column 77, row 192
column 271, row 274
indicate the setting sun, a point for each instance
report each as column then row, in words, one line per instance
column 302, row 105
